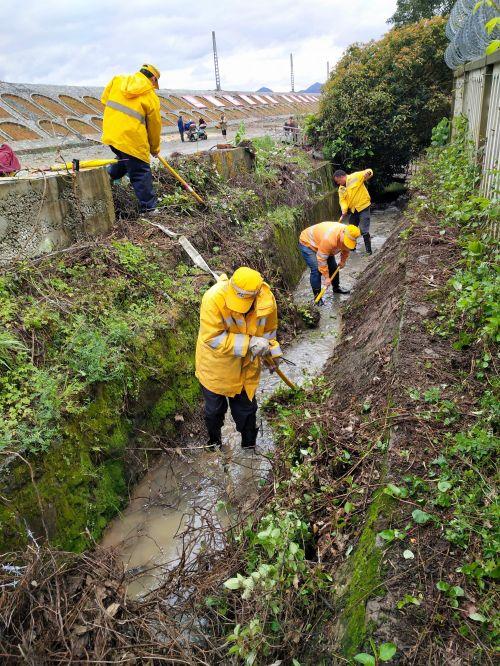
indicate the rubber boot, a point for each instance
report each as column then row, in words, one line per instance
column 368, row 243
column 215, row 439
column 249, row 438
column 336, row 288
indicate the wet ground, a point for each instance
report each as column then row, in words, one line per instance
column 196, row 485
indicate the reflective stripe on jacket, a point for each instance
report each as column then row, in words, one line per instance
column 354, row 195
column 326, row 239
column 132, row 121
column 223, row 363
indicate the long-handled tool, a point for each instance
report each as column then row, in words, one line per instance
column 321, row 293
column 190, row 249
column 201, row 263
column 273, row 367
column 181, row 180
column 83, row 164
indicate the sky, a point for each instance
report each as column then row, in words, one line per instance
column 86, row 42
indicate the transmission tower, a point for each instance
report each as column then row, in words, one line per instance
column 291, row 73
column 216, row 62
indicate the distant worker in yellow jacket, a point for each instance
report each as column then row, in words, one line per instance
column 131, row 127
column 238, row 326
column 355, row 201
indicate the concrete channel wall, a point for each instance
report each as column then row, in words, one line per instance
column 44, row 214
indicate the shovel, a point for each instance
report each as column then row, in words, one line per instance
column 321, row 293
column 190, row 249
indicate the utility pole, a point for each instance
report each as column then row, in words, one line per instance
column 216, row 62
column 327, row 70
column 291, row 73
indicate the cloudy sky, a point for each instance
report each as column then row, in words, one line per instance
column 86, row 42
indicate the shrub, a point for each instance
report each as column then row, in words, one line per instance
column 383, row 99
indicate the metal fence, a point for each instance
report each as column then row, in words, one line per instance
column 467, row 32
column 476, row 95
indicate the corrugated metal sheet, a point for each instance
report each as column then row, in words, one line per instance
column 473, row 96
column 491, row 163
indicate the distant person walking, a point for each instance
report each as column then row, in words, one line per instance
column 355, row 201
column 131, row 128
column 180, row 127
column 223, row 124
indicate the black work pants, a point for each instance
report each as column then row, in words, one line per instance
column 243, row 411
column 140, row 176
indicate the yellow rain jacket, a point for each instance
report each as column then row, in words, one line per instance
column 223, row 363
column 132, row 121
column 354, row 195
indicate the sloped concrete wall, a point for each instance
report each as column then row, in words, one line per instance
column 40, row 215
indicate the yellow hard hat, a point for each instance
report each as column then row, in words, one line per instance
column 351, row 233
column 243, row 289
column 154, row 71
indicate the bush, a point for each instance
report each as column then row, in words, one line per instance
column 383, row 99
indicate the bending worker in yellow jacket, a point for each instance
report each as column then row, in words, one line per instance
column 355, row 201
column 238, row 322
column 131, row 127
column 319, row 244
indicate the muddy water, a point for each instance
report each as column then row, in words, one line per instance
column 188, row 489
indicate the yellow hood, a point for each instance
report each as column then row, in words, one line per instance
column 135, row 85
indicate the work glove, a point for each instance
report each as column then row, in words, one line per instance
column 258, row 346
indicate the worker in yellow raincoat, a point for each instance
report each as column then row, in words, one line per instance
column 131, row 127
column 355, row 201
column 238, row 323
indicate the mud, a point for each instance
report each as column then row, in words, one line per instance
column 177, row 495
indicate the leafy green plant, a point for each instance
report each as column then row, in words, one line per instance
column 382, row 653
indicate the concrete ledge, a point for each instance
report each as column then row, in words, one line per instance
column 40, row 215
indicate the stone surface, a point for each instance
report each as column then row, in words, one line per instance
column 39, row 215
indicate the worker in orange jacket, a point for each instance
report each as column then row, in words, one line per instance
column 319, row 244
column 131, row 128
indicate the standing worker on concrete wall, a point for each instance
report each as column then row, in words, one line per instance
column 319, row 244
column 131, row 128
column 355, row 200
column 238, row 322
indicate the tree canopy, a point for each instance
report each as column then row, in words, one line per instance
column 384, row 97
column 411, row 11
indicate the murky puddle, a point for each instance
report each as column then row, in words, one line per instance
column 187, row 489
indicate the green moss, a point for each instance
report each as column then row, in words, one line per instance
column 365, row 579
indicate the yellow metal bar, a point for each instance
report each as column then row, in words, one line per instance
column 321, row 293
column 181, row 180
column 84, row 164
column 275, row 368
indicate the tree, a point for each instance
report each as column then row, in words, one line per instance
column 411, row 11
column 383, row 99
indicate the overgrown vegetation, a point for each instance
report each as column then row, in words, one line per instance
column 343, row 507
column 411, row 11
column 383, row 99
column 99, row 341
